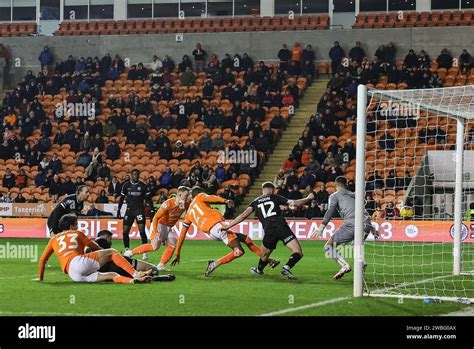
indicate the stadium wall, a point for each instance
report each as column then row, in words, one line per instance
column 259, row 45
column 407, row 231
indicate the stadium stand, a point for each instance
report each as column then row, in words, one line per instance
column 208, row 25
column 413, row 19
column 326, row 149
column 166, row 120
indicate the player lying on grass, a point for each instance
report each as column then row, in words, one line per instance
column 162, row 227
column 210, row 221
column 267, row 209
column 104, row 240
column 342, row 201
column 69, row 246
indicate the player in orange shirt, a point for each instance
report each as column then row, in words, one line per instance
column 210, row 221
column 69, row 246
column 161, row 227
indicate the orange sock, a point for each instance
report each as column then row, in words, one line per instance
column 167, row 254
column 122, row 279
column 230, row 257
column 143, row 248
column 254, row 248
column 122, row 263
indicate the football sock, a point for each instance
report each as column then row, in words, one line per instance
column 332, row 252
column 262, row 264
column 126, row 238
column 230, row 257
column 254, row 248
column 143, row 249
column 122, row 263
column 122, row 279
column 167, row 254
column 294, row 258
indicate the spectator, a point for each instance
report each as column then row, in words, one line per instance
column 46, row 59
column 444, row 60
column 8, row 179
column 20, row 199
column 284, row 55
column 165, row 178
column 336, row 54
column 103, row 172
column 465, row 62
column 313, row 210
column 4, row 61
column 102, row 198
column 32, row 200
column 228, row 194
column 390, row 212
column 115, row 187
column 322, row 196
column 357, row 53
column 290, row 163
column 68, row 186
column 113, row 151
column 84, row 159
column 199, row 58
column 21, row 180
column 55, row 164
column 55, row 188
column 205, row 143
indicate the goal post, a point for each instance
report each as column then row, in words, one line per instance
column 418, row 147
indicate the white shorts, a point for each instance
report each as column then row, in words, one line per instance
column 224, row 236
column 83, row 269
column 166, row 234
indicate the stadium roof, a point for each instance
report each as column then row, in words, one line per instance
column 450, row 101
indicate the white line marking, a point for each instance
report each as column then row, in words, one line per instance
column 405, row 284
column 465, row 312
column 45, row 313
column 23, row 276
column 307, row 306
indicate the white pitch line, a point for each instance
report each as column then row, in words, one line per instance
column 307, row 306
column 22, row 276
column 405, row 284
column 45, row 313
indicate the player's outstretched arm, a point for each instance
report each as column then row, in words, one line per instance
column 327, row 218
column 239, row 219
column 214, row 199
column 301, row 202
column 179, row 245
column 48, row 251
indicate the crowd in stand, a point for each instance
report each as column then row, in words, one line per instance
column 339, row 104
column 21, row 113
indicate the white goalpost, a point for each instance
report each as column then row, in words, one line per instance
column 415, row 156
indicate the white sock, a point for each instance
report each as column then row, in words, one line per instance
column 332, row 252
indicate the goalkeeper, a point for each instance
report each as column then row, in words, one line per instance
column 342, row 201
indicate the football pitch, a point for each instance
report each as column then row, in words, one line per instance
column 230, row 291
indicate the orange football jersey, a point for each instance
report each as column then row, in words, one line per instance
column 66, row 246
column 201, row 214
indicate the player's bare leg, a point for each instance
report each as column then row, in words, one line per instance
column 255, row 249
column 297, row 254
column 237, row 252
column 168, row 253
column 330, row 250
column 141, row 229
column 144, row 248
column 263, row 262
column 112, row 255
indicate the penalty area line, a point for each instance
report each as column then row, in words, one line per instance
column 307, row 306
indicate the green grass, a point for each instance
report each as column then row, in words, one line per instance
column 231, row 290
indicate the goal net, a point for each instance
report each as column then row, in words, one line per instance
column 417, row 182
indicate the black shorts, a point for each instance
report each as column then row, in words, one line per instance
column 281, row 233
column 111, row 267
column 131, row 216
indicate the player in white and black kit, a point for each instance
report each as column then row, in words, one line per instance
column 73, row 203
column 342, row 201
column 267, row 209
column 134, row 192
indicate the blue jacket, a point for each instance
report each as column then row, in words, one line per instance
column 45, row 58
column 336, row 54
